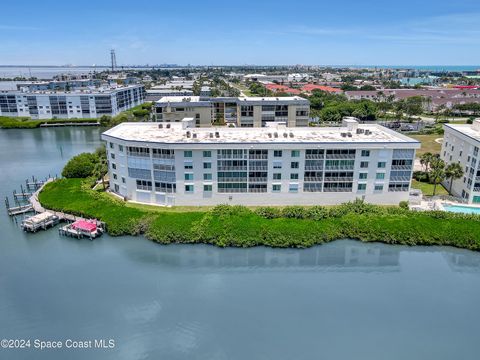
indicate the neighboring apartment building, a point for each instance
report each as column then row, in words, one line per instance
column 461, row 143
column 157, row 94
column 87, row 103
column 243, row 111
column 174, row 164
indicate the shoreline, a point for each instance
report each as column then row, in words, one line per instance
column 238, row 226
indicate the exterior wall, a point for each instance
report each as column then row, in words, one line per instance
column 257, row 119
column 372, row 188
column 458, row 147
column 201, row 114
column 70, row 105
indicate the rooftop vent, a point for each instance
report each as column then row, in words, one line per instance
column 210, row 135
column 367, row 132
column 168, row 126
column 217, row 134
column 275, row 134
column 360, row 131
column 343, row 134
column 291, row 134
column 194, row 135
column 269, row 135
column 349, row 134
column 188, row 134
column 285, row 135
column 160, row 126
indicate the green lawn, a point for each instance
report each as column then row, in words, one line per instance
column 291, row 226
column 428, row 144
column 427, row 189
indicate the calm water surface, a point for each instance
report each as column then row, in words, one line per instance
column 344, row 300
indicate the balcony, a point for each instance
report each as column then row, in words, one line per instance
column 336, row 178
column 313, row 179
column 340, row 156
column 258, row 168
column 232, row 179
column 337, row 189
column 254, row 190
column 339, row 167
column 258, row 157
column 402, row 167
column 316, row 167
column 314, row 156
column 232, row 168
column 258, row 179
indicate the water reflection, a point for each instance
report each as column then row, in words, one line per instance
column 350, row 255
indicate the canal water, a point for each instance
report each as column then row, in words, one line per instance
column 343, row 300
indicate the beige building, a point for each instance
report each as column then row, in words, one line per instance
column 242, row 112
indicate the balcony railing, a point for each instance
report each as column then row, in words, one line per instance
column 399, row 178
column 315, row 167
column 402, row 167
column 258, row 179
column 232, row 179
column 258, row 168
column 338, row 178
column 337, row 189
column 314, row 156
column 339, row 167
column 258, row 157
column 313, row 179
column 255, row 190
column 340, row 156
column 232, row 168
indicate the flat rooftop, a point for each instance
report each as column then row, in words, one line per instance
column 176, row 134
column 248, row 100
column 470, row 130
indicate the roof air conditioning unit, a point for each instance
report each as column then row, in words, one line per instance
column 188, row 134
column 217, row 134
column 160, row 126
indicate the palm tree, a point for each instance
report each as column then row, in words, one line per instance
column 437, row 172
column 426, row 159
column 452, row 172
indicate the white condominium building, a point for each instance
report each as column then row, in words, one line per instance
column 174, row 164
column 461, row 143
column 86, row 103
column 243, row 111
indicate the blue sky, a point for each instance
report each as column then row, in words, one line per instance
column 379, row 32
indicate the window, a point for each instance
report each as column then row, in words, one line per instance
column 207, row 188
column 188, row 176
column 365, row 153
column 362, row 176
column 364, row 164
column 188, row 165
column 120, row 147
column 380, row 176
column 114, row 176
column 207, row 165
column 189, row 188
column 381, row 165
column 277, row 176
column 277, row 153
column 295, row 153
column 123, row 180
column 114, row 166
column 111, row 145
column 294, row 165
column 277, row 164
column 187, row 154
column 207, row 176
column 293, row 188
column 276, row 188
column 207, row 154
column 294, row 176
column 112, row 156
column 144, row 185
column 378, row 187
column 362, row 187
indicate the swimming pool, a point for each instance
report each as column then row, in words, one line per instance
column 462, row 209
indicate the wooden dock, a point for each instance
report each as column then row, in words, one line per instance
column 40, row 221
column 27, row 201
